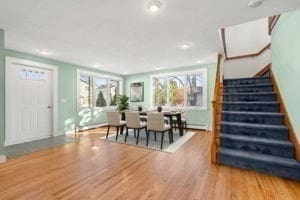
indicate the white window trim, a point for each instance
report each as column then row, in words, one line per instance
column 183, row 73
column 98, row 75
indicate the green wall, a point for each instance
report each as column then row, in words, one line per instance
column 1, row 91
column 68, row 117
column 286, row 63
column 198, row 117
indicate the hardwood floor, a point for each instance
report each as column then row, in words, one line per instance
column 97, row 169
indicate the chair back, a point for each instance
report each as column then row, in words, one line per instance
column 113, row 118
column 133, row 119
column 155, row 121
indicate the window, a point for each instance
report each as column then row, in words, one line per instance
column 85, row 91
column 187, row 89
column 114, row 91
column 32, row 75
column 176, row 90
column 96, row 90
column 160, row 91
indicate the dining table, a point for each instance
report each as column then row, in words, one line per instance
column 170, row 115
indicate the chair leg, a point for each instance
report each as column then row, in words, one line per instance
column 134, row 131
column 162, row 140
column 170, row 136
column 138, row 136
column 147, row 134
column 155, row 136
column 107, row 131
column 126, row 135
column 117, row 133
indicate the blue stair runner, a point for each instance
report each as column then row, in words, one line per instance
column 253, row 135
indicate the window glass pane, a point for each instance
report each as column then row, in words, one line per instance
column 23, row 74
column 30, row 75
column 195, row 90
column 160, row 91
column 114, row 92
column 101, row 93
column 85, row 91
column 176, row 90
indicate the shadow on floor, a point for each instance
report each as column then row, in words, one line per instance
column 37, row 145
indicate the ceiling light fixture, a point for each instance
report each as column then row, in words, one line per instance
column 186, row 45
column 157, row 68
column 255, row 3
column 154, row 6
column 199, row 62
column 96, row 66
column 44, row 51
column 124, row 73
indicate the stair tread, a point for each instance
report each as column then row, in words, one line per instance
column 250, row 93
column 286, row 162
column 249, row 85
column 255, row 125
column 253, row 113
column 260, row 140
column 246, row 78
column 252, row 102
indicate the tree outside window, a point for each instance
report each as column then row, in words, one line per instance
column 160, row 91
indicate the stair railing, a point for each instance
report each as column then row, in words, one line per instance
column 215, row 121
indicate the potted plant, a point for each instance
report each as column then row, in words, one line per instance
column 122, row 104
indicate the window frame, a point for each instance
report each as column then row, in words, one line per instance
column 94, row 75
column 203, row 71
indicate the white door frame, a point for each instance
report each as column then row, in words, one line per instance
column 10, row 61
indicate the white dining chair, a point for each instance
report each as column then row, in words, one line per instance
column 114, row 120
column 133, row 122
column 156, row 124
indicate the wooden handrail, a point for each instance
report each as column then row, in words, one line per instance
column 251, row 55
column 214, row 147
column 223, row 37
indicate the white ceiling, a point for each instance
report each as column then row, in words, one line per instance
column 247, row 38
column 122, row 36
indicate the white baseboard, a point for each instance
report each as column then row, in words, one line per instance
column 2, row 159
column 198, row 127
column 82, row 128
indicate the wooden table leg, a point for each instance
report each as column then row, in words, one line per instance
column 179, row 122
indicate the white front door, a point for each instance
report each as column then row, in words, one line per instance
column 30, row 106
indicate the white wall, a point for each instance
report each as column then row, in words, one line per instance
column 247, row 38
column 246, row 67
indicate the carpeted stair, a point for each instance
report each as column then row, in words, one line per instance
column 253, row 135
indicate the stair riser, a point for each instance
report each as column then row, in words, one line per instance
column 258, row 119
column 248, row 89
column 251, row 108
column 274, row 150
column 257, row 132
column 248, row 98
column 246, row 82
column 263, row 167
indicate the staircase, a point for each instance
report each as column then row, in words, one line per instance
column 253, row 135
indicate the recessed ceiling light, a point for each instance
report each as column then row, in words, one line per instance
column 44, row 51
column 124, row 73
column 157, row 68
column 154, row 6
column 96, row 65
column 199, row 61
column 255, row 3
column 186, row 45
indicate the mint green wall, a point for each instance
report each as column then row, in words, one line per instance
column 1, row 90
column 197, row 117
column 286, row 63
column 68, row 117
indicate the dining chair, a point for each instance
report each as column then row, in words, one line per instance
column 156, row 124
column 183, row 120
column 114, row 120
column 133, row 122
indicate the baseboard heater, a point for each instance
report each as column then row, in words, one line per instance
column 197, row 126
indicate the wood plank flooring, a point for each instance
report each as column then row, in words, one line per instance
column 97, row 169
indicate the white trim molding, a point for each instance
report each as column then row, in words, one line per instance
column 98, row 75
column 203, row 71
column 8, row 62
